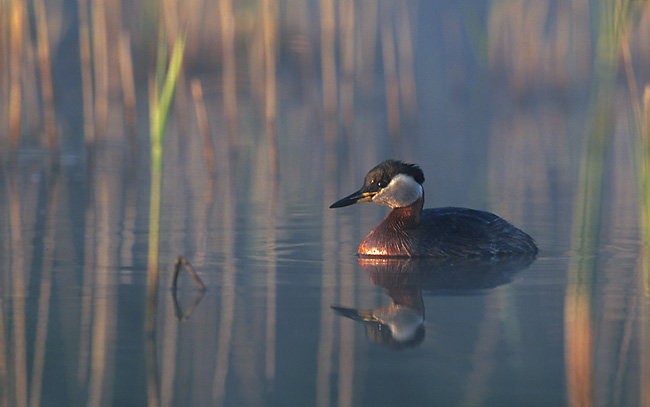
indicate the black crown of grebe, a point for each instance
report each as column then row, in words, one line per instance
column 409, row 231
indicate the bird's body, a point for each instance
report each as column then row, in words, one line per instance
column 445, row 232
column 409, row 231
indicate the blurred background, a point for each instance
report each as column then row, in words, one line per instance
column 536, row 110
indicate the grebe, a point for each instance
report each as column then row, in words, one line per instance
column 409, row 231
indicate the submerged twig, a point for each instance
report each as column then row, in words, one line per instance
column 183, row 316
column 180, row 315
column 177, row 270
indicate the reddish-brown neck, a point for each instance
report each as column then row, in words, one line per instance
column 406, row 217
column 389, row 238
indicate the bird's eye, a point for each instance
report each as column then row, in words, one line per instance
column 381, row 184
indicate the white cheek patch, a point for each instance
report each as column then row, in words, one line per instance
column 402, row 191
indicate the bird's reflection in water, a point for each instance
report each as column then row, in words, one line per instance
column 401, row 323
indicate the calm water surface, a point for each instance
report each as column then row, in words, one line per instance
column 520, row 332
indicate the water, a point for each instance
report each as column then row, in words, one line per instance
column 290, row 315
column 265, row 333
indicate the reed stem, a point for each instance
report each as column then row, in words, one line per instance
column 86, row 76
column 128, row 88
column 229, row 75
column 16, row 57
column 100, row 64
column 162, row 93
column 204, row 125
column 269, row 17
column 390, row 72
column 46, row 78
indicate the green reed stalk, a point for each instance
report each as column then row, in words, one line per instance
column 644, row 122
column 643, row 126
column 161, row 97
column 641, row 157
column 588, row 208
column 613, row 20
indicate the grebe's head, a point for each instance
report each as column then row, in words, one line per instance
column 393, row 326
column 391, row 183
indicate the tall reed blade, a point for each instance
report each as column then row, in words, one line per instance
column 160, row 102
column 164, row 93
